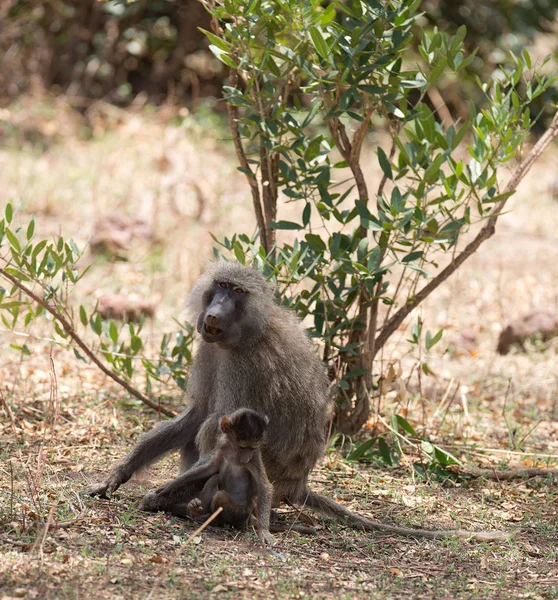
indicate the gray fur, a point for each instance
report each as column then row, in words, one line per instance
column 272, row 370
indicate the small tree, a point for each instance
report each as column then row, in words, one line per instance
column 308, row 81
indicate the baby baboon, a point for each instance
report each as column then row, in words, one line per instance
column 253, row 354
column 234, row 477
column 236, row 480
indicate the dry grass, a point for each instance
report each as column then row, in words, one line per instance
column 64, row 424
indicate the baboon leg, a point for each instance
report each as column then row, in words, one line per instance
column 233, row 514
column 189, row 456
column 209, row 491
column 174, row 502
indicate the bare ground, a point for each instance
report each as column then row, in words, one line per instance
column 492, row 411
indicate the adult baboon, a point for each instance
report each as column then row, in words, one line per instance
column 253, row 354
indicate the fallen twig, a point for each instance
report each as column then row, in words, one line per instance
column 503, row 475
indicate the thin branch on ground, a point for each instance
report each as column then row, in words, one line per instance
column 180, row 548
column 503, row 475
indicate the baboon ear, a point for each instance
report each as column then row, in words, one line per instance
column 225, row 424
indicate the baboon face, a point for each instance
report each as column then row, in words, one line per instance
column 245, row 430
column 225, row 304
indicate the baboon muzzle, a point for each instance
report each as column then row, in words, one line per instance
column 218, row 314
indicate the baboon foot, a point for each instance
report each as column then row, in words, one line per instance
column 195, row 508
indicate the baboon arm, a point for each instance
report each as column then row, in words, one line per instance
column 167, row 436
column 199, row 472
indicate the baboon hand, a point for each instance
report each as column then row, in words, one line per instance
column 195, row 508
column 106, row 488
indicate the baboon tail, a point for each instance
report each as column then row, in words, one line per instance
column 339, row 513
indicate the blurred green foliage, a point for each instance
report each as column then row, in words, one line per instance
column 495, row 28
column 117, row 49
column 107, row 50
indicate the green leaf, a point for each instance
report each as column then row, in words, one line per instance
column 217, row 41
column 444, row 457
column 406, row 426
column 9, row 212
column 223, row 56
column 96, row 324
column 328, row 15
column 285, row 225
column 374, row 90
column 306, row 214
column 500, row 197
column 136, row 343
column 38, row 248
column 385, row 452
column 361, row 449
column 427, row 447
column 374, row 259
column 433, row 170
column 430, row 341
column 384, row 163
column 82, row 316
column 14, row 242
column 30, row 229
column 319, row 42
column 412, row 256
column 11, row 304
column 315, row 242
column 438, row 70
column 239, row 253
column 526, row 58
column 80, row 357
column 113, row 332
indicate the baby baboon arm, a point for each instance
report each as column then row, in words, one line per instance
column 265, row 496
column 167, row 436
column 341, row 514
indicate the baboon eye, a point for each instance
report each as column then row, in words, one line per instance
column 223, row 284
column 239, row 290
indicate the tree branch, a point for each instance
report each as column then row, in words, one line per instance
column 69, row 329
column 249, row 174
column 486, row 232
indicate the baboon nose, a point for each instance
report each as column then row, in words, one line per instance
column 212, row 320
column 212, row 324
